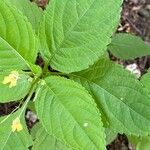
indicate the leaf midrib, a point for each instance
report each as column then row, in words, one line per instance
column 72, row 116
column 71, row 29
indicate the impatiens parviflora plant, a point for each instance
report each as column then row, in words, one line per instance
column 83, row 93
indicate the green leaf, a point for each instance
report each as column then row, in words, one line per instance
column 146, row 81
column 110, row 135
column 30, row 10
column 44, row 141
column 31, row 106
column 14, row 140
column 17, row 92
column 37, row 70
column 17, row 38
column 10, row 58
column 75, row 33
column 121, row 98
column 126, row 46
column 141, row 143
column 68, row 112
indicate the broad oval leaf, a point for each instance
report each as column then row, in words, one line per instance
column 14, row 140
column 126, row 46
column 18, row 35
column 17, row 92
column 44, row 141
column 75, row 33
column 30, row 10
column 121, row 98
column 68, row 112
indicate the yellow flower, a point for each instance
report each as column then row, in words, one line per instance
column 11, row 79
column 16, row 125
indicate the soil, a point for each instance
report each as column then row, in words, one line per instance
column 120, row 143
column 135, row 19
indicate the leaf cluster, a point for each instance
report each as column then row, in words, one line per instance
column 83, row 94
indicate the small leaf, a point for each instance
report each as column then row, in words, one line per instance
column 121, row 98
column 126, row 46
column 44, row 141
column 14, row 140
column 75, row 33
column 18, row 42
column 67, row 111
column 16, row 92
column 30, row 10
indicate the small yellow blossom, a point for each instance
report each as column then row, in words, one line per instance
column 16, row 125
column 11, row 79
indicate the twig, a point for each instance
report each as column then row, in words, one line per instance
column 131, row 23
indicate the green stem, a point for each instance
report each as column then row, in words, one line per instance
column 32, row 90
column 45, row 69
column 56, row 73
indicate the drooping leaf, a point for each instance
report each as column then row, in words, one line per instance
column 68, row 112
column 30, row 10
column 17, row 38
column 17, row 92
column 44, row 141
column 121, row 98
column 126, row 46
column 75, row 33
column 18, row 140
